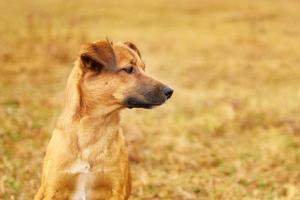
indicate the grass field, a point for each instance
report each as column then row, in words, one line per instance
column 232, row 128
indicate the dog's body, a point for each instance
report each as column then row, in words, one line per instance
column 86, row 158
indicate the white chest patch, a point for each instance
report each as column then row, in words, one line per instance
column 80, row 167
column 83, row 169
column 80, row 192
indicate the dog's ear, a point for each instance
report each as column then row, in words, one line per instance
column 98, row 56
column 133, row 47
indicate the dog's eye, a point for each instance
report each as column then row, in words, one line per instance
column 129, row 70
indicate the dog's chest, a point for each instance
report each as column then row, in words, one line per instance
column 83, row 170
column 88, row 178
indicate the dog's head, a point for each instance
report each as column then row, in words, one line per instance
column 114, row 74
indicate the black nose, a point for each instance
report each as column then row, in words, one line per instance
column 168, row 92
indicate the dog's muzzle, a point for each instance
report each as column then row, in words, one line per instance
column 149, row 99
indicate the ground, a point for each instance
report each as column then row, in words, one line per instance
column 231, row 130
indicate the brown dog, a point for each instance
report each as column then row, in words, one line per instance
column 86, row 158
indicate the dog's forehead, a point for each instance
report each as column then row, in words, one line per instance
column 125, row 55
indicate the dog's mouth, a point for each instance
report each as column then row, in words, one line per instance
column 132, row 102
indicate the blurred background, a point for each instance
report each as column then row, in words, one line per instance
column 231, row 130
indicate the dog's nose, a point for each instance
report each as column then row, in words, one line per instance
column 168, row 92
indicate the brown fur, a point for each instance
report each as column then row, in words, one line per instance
column 88, row 132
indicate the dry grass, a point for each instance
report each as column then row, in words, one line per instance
column 232, row 129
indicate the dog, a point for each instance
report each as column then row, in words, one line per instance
column 86, row 158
